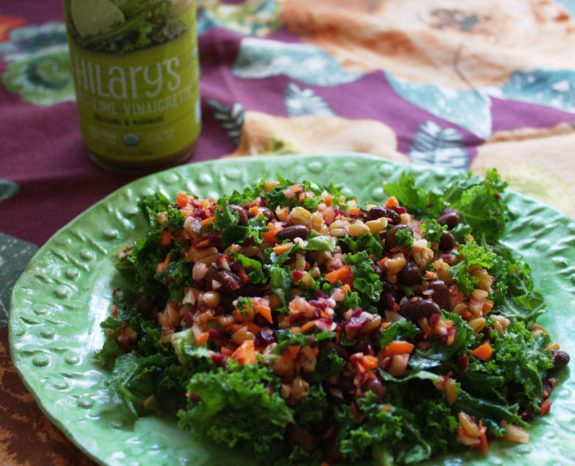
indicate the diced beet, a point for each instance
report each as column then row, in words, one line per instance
column 188, row 319
column 265, row 338
column 219, row 359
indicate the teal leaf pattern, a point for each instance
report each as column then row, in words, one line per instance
column 470, row 109
column 546, row 87
column 38, row 64
column 231, row 118
column 301, row 102
column 443, row 147
column 8, row 189
column 255, row 18
column 14, row 256
column 261, row 58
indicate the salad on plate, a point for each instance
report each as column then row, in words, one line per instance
column 307, row 327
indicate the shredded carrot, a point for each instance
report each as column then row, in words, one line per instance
column 342, row 274
column 207, row 221
column 397, row 347
column 346, row 288
column 483, row 352
column 270, row 235
column 235, row 327
column 226, row 351
column 264, row 311
column 370, row 362
column 466, row 315
column 305, row 327
column 328, row 200
column 255, row 329
column 429, row 275
column 243, row 276
column 545, row 407
column 245, row 354
column 166, row 238
column 386, row 408
column 181, row 199
column 254, row 211
column 487, row 306
column 279, row 250
column 385, row 325
column 292, row 351
column 392, row 202
column 163, row 266
column 354, row 211
column 202, row 339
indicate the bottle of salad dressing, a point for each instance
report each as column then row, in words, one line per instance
column 135, row 68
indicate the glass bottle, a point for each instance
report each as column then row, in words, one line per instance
column 135, row 67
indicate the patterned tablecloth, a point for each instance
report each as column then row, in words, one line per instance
column 464, row 85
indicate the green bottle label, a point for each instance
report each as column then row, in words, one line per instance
column 135, row 67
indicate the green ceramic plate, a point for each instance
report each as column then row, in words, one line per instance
column 65, row 292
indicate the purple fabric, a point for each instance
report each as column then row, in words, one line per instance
column 42, row 151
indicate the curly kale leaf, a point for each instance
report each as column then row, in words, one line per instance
column 152, row 205
column 380, row 426
column 313, row 408
column 478, row 201
column 365, row 280
column 237, row 406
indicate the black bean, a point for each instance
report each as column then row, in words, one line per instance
column 294, row 231
column 376, row 387
column 147, row 306
column 441, row 294
column 391, row 240
column 560, row 360
column 447, row 241
column 243, row 216
column 377, row 212
column 427, row 308
column 229, row 281
column 267, row 213
column 302, row 437
column 450, row 218
column 408, row 309
column 410, row 274
column 346, row 385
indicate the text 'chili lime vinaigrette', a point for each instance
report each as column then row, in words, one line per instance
column 135, row 67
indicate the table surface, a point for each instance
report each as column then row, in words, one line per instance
column 464, row 86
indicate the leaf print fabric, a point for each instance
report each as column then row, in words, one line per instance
column 443, row 147
column 305, row 102
column 450, row 83
column 38, row 64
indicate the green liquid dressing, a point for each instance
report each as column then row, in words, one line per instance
column 135, row 68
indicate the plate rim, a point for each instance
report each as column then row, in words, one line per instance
column 64, row 426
